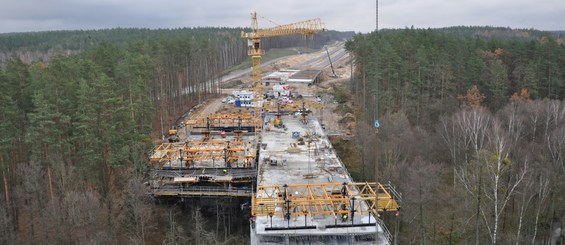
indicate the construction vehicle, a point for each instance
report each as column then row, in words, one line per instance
column 278, row 123
column 172, row 135
column 307, row 28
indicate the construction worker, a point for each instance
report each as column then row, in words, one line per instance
column 344, row 217
column 225, row 171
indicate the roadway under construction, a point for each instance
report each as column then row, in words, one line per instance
column 282, row 164
column 285, row 166
column 305, row 193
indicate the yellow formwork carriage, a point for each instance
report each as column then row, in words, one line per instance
column 322, row 199
column 225, row 119
column 229, row 151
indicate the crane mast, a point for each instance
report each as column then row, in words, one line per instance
column 307, row 28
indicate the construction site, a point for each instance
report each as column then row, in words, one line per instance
column 270, row 151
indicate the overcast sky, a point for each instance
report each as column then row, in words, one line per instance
column 343, row 15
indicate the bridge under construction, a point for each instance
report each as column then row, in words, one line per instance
column 280, row 162
column 285, row 166
column 305, row 193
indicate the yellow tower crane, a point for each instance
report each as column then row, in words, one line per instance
column 307, row 28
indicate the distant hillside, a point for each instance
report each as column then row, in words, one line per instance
column 560, row 34
column 503, row 33
column 34, row 46
column 511, row 59
column 495, row 32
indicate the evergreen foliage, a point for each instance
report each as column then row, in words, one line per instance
column 78, row 112
column 416, row 67
column 472, row 131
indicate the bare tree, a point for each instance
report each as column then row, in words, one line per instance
column 199, row 232
column 527, row 195
column 534, row 111
column 474, row 124
column 75, row 217
column 466, row 131
column 554, row 116
column 514, row 123
column 464, row 134
column 453, row 138
column 420, row 179
column 30, row 194
column 175, row 233
column 7, row 233
column 138, row 211
column 556, row 146
column 501, row 177
column 542, row 192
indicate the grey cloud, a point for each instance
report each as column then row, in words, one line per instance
column 35, row 15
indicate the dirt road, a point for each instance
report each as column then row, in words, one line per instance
column 212, row 106
column 318, row 60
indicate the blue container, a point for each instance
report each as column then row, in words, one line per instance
column 238, row 103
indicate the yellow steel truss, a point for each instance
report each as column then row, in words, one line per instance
column 324, row 199
column 166, row 152
column 190, row 152
column 242, row 119
column 217, row 151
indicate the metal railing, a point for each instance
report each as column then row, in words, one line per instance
column 390, row 188
column 386, row 232
column 233, row 172
column 169, row 191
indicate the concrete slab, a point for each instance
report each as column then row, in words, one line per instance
column 305, row 76
column 285, row 160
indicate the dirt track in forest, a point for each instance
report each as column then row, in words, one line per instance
column 328, row 117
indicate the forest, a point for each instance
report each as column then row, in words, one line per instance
column 79, row 111
column 472, row 131
column 41, row 46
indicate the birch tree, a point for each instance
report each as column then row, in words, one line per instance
column 556, row 146
column 138, row 212
column 500, row 178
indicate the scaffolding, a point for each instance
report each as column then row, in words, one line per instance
column 249, row 122
column 323, row 199
column 188, row 154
